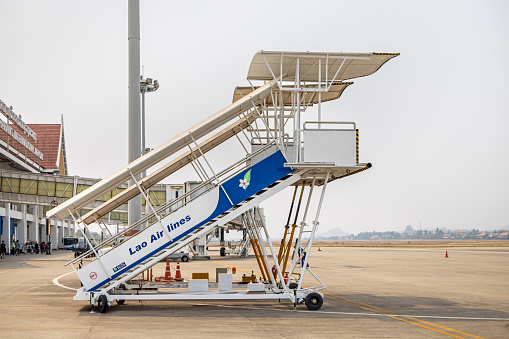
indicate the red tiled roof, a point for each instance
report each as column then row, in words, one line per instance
column 48, row 140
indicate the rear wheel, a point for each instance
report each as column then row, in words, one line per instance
column 185, row 258
column 102, row 303
column 314, row 301
column 121, row 287
column 222, row 251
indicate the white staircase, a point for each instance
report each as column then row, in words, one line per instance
column 283, row 149
column 221, row 203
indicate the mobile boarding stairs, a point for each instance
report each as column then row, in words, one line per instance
column 281, row 149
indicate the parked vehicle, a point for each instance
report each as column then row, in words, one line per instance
column 70, row 243
column 179, row 256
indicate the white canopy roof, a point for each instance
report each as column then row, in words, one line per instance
column 269, row 65
column 334, row 92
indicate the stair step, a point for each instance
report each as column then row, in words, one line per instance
column 261, row 192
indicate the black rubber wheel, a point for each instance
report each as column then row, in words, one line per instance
column 293, row 286
column 121, row 287
column 222, row 251
column 314, row 301
column 102, row 303
column 185, row 258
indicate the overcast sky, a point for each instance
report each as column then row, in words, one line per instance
column 433, row 122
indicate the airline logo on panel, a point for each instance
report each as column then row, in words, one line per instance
column 247, row 179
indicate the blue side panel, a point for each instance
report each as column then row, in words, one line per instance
column 239, row 188
column 261, row 175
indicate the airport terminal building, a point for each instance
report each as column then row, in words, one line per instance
column 34, row 178
column 32, row 157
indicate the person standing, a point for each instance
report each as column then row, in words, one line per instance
column 3, row 250
column 36, row 247
column 16, row 248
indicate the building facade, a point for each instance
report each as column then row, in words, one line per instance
column 34, row 178
column 29, row 149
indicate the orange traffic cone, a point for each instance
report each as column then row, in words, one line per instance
column 446, row 255
column 167, row 274
column 178, row 276
column 319, row 249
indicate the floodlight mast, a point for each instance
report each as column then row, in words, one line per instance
column 135, row 150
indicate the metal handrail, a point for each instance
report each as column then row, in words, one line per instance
column 331, row 123
column 171, row 203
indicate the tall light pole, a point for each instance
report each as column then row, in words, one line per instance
column 135, row 151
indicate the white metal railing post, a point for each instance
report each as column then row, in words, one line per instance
column 151, row 207
column 302, row 225
column 320, row 91
column 335, row 75
column 274, row 257
column 268, row 130
column 212, row 170
column 199, row 168
column 315, row 226
column 92, row 247
column 296, row 116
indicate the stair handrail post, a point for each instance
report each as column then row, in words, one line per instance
column 302, row 225
column 93, row 249
column 151, row 207
column 214, row 173
column 269, row 241
column 315, row 226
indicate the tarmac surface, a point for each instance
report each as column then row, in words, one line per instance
column 372, row 293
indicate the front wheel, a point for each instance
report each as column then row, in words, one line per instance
column 222, row 251
column 314, row 301
column 185, row 258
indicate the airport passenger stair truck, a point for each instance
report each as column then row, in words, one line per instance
column 280, row 149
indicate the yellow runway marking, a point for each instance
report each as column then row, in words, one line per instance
column 409, row 320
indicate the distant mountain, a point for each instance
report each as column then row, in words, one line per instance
column 334, row 232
